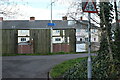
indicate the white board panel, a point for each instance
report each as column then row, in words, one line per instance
column 81, row 47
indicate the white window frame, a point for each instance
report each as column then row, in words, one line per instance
column 54, row 40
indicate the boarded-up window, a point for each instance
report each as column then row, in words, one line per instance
column 56, row 32
column 23, row 33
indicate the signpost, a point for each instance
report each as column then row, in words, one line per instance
column 51, row 24
column 90, row 7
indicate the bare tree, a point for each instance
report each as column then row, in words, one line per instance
column 75, row 10
column 11, row 8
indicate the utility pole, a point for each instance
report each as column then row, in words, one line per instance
column 51, row 29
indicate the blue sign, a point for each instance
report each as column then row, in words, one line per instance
column 51, row 24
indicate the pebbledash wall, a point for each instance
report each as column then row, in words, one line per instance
column 39, row 38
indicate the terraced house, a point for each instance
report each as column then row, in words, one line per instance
column 34, row 36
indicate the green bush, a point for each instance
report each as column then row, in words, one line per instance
column 101, row 69
column 104, row 68
column 78, row 71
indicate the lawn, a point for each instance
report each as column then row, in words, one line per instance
column 59, row 53
column 37, row 54
column 60, row 69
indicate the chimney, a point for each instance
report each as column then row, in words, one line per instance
column 32, row 18
column 1, row 19
column 64, row 18
column 81, row 18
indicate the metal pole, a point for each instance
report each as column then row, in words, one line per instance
column 51, row 30
column 51, row 10
column 89, row 50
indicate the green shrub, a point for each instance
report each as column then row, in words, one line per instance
column 78, row 71
column 101, row 69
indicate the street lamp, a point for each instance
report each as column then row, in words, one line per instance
column 51, row 24
column 51, row 29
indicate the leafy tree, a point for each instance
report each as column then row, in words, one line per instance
column 106, row 63
column 117, row 34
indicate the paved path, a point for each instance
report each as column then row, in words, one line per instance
column 32, row 66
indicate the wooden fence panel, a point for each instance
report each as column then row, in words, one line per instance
column 41, row 40
column 72, row 39
column 9, row 41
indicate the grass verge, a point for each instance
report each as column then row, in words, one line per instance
column 59, row 53
column 36, row 54
column 60, row 69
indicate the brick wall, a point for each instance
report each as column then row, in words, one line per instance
column 61, row 48
column 25, row 49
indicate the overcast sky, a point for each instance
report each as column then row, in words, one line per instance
column 40, row 9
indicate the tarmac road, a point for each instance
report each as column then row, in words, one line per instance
column 32, row 66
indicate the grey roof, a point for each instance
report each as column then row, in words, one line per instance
column 37, row 24
column 80, row 25
column 40, row 24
